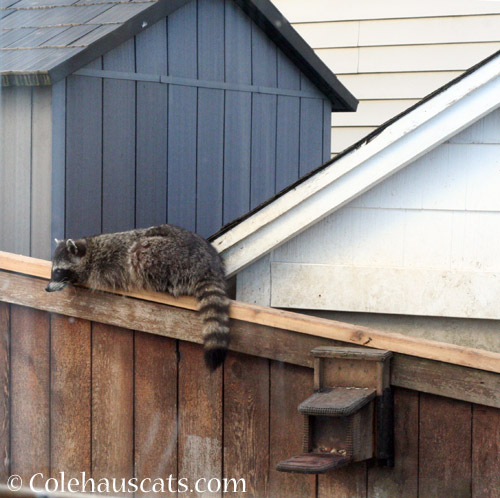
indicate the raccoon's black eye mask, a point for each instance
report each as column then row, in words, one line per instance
column 59, row 279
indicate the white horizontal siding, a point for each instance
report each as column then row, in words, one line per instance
column 298, row 11
column 391, row 50
column 393, row 32
column 371, row 112
column 388, row 86
column 396, row 59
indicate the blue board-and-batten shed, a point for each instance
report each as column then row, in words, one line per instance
column 130, row 114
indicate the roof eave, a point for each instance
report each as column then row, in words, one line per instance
column 262, row 12
column 372, row 161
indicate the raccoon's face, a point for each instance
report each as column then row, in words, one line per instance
column 66, row 264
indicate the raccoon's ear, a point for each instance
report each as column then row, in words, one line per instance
column 57, row 241
column 77, row 248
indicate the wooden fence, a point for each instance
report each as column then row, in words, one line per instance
column 115, row 386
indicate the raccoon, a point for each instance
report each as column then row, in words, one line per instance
column 164, row 258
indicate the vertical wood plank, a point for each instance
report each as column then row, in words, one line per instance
column 15, row 170
column 70, row 413
column 237, row 45
column 58, row 173
column 287, row 141
column 200, row 418
column 112, row 402
column 263, row 167
column 246, row 422
column 327, row 130
column 237, row 150
column 30, row 384
column 155, row 407
column 4, row 392
column 210, row 167
column 485, row 452
column 41, row 173
column 444, row 447
column 151, row 159
column 290, row 385
column 311, row 134
column 182, row 118
column 264, row 59
column 118, row 195
column 347, row 482
column 151, row 49
column 182, row 42
column 83, row 156
column 211, row 40
column 402, row 479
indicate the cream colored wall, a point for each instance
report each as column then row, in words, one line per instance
column 391, row 53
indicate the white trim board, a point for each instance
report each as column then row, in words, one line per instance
column 408, row 138
column 407, row 291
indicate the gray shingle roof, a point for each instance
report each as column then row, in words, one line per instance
column 42, row 41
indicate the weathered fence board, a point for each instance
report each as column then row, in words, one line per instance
column 200, row 418
column 485, row 452
column 70, row 396
column 112, row 402
column 246, row 421
column 155, row 407
column 96, row 398
column 30, row 388
column 4, row 391
column 444, row 447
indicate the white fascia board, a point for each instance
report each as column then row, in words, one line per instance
column 408, row 138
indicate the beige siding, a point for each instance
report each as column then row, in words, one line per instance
column 393, row 52
column 25, row 170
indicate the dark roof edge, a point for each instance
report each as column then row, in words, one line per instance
column 111, row 40
column 262, row 12
column 368, row 138
column 276, row 26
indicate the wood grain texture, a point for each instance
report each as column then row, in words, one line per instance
column 30, row 387
column 475, row 385
column 112, row 402
column 444, row 447
column 238, row 44
column 290, row 385
column 402, row 479
column 4, row 392
column 485, row 452
column 311, row 134
column 347, row 482
column 155, row 407
column 70, row 396
column 151, row 49
column 246, row 422
column 200, row 418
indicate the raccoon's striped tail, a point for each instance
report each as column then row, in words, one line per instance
column 214, row 310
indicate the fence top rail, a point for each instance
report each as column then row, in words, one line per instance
column 298, row 323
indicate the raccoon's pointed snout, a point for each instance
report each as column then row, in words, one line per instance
column 55, row 286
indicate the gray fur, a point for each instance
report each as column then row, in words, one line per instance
column 163, row 259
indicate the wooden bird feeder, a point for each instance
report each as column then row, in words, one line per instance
column 349, row 416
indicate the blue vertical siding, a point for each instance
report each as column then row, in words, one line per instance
column 180, row 151
column 118, row 189
column 83, row 156
column 152, row 128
